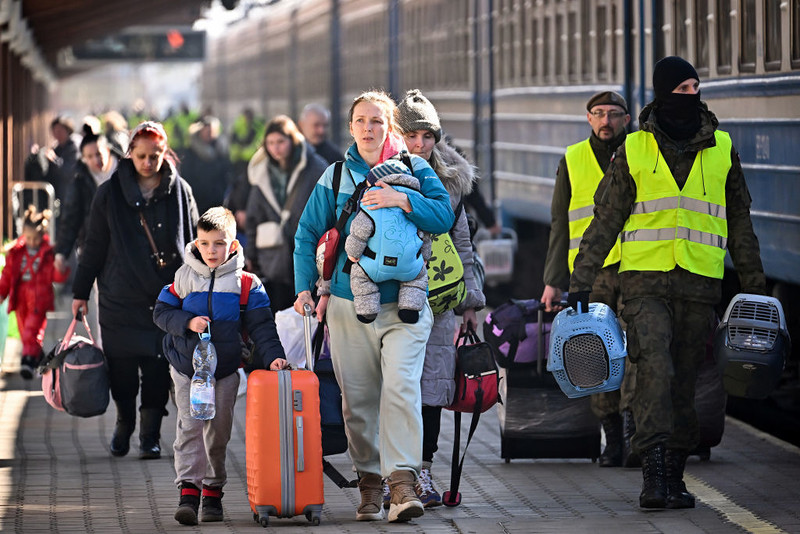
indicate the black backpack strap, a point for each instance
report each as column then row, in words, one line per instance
column 350, row 206
column 337, row 178
column 336, row 476
column 406, row 159
column 352, row 203
column 452, row 497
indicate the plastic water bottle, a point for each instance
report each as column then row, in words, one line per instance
column 202, row 394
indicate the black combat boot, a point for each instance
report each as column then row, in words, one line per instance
column 612, row 454
column 150, row 434
column 629, row 458
column 123, row 430
column 677, row 494
column 654, row 485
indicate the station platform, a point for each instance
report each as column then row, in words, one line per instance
column 57, row 475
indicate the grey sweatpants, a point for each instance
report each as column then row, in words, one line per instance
column 200, row 446
column 378, row 366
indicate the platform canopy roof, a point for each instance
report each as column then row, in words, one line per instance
column 51, row 25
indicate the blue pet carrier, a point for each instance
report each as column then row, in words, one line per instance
column 587, row 351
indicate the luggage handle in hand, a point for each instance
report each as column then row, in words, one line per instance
column 540, row 326
column 71, row 330
column 307, row 334
column 468, row 338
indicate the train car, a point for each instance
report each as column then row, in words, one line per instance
column 510, row 79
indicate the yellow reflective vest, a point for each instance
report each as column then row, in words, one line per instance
column 668, row 226
column 584, row 177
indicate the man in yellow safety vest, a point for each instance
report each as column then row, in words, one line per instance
column 676, row 196
column 579, row 173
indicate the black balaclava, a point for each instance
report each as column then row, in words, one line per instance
column 678, row 114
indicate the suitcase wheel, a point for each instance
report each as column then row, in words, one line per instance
column 262, row 520
column 448, row 499
column 313, row 518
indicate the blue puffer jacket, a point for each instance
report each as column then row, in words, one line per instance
column 430, row 212
column 198, row 290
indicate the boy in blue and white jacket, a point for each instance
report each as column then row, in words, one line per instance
column 206, row 291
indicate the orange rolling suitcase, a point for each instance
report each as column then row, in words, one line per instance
column 283, row 440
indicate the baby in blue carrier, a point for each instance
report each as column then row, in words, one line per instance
column 385, row 245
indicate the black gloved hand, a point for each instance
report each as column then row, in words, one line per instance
column 581, row 297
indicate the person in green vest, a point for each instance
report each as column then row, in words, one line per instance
column 676, row 196
column 246, row 136
column 579, row 173
column 180, row 122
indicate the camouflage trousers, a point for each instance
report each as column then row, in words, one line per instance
column 606, row 290
column 667, row 343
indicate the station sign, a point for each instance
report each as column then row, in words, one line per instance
column 143, row 44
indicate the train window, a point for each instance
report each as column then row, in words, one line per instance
column 747, row 61
column 772, row 34
column 616, row 22
column 681, row 44
column 603, row 38
column 545, row 49
column 586, row 43
column 536, row 48
column 560, row 44
column 701, row 37
column 572, row 42
column 795, row 33
column 519, row 42
column 723, row 20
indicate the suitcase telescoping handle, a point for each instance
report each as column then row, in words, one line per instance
column 307, row 335
column 540, row 326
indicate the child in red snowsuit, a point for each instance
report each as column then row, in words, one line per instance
column 27, row 281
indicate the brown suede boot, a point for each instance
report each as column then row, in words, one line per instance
column 371, row 508
column 404, row 504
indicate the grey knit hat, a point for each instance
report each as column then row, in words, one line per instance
column 415, row 112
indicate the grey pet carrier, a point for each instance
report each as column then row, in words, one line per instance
column 750, row 345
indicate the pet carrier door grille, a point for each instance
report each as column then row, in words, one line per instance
column 586, row 360
column 753, row 325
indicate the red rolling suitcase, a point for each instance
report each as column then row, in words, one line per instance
column 283, row 440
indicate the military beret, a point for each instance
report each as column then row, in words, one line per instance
column 608, row 98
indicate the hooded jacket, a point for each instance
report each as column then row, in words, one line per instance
column 437, row 383
column 613, row 201
column 198, row 290
column 39, row 289
column 118, row 255
column 458, row 186
column 275, row 263
column 430, row 212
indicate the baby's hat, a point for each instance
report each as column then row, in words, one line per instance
column 387, row 168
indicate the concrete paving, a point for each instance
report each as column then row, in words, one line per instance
column 56, row 475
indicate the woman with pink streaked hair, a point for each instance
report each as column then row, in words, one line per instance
column 140, row 222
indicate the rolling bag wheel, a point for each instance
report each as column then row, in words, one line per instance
column 313, row 518
column 263, row 520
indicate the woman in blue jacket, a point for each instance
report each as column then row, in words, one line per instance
column 378, row 365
